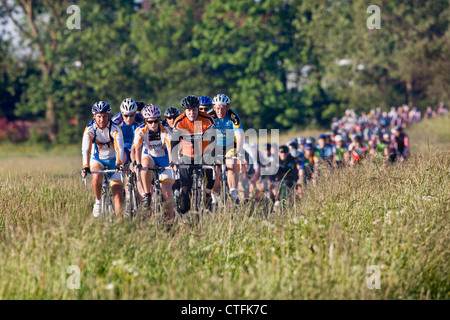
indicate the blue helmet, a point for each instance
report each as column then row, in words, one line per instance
column 205, row 101
column 101, row 107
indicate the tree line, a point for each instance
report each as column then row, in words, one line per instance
column 284, row 63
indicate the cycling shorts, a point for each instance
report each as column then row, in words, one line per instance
column 166, row 175
column 110, row 164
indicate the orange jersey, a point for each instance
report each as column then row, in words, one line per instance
column 192, row 133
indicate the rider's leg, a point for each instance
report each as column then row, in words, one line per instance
column 232, row 177
column 147, row 175
column 169, row 204
column 117, row 191
column 97, row 180
column 186, row 185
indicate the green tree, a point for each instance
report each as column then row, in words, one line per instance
column 243, row 46
column 165, row 55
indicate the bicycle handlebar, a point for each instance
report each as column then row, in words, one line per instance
column 231, row 158
column 198, row 166
column 102, row 171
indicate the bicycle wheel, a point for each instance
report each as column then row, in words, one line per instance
column 156, row 203
column 129, row 201
column 110, row 206
column 223, row 191
column 104, row 209
column 194, row 196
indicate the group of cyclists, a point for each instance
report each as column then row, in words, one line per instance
column 209, row 132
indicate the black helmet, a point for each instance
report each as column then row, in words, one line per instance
column 293, row 143
column 190, row 102
column 171, row 112
column 140, row 105
column 357, row 137
column 284, row 149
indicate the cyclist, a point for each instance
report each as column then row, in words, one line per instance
column 170, row 115
column 311, row 162
column 301, row 144
column 265, row 160
column 107, row 140
column 325, row 150
column 287, row 170
column 127, row 122
column 118, row 118
column 140, row 106
column 152, row 144
column 230, row 138
column 196, row 131
column 298, row 157
column 205, row 104
column 380, row 149
column 400, row 142
column 357, row 149
column 341, row 156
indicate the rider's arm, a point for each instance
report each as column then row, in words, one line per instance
column 175, row 145
column 86, row 147
column 118, row 144
column 137, row 143
column 210, row 134
column 167, row 137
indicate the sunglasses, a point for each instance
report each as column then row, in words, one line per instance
column 129, row 115
column 170, row 118
column 204, row 109
column 152, row 121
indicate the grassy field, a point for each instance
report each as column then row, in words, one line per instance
column 395, row 218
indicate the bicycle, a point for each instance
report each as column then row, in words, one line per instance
column 131, row 196
column 106, row 202
column 198, row 186
column 156, row 208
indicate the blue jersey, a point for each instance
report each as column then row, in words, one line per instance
column 118, row 118
column 127, row 130
column 327, row 152
column 226, row 127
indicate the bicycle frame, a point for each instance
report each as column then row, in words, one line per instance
column 157, row 198
column 198, row 187
column 131, row 199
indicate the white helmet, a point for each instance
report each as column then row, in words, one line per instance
column 338, row 138
column 128, row 106
column 151, row 111
column 221, row 99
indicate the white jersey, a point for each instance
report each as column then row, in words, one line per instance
column 156, row 143
column 104, row 148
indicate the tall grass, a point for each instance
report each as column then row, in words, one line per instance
column 394, row 217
